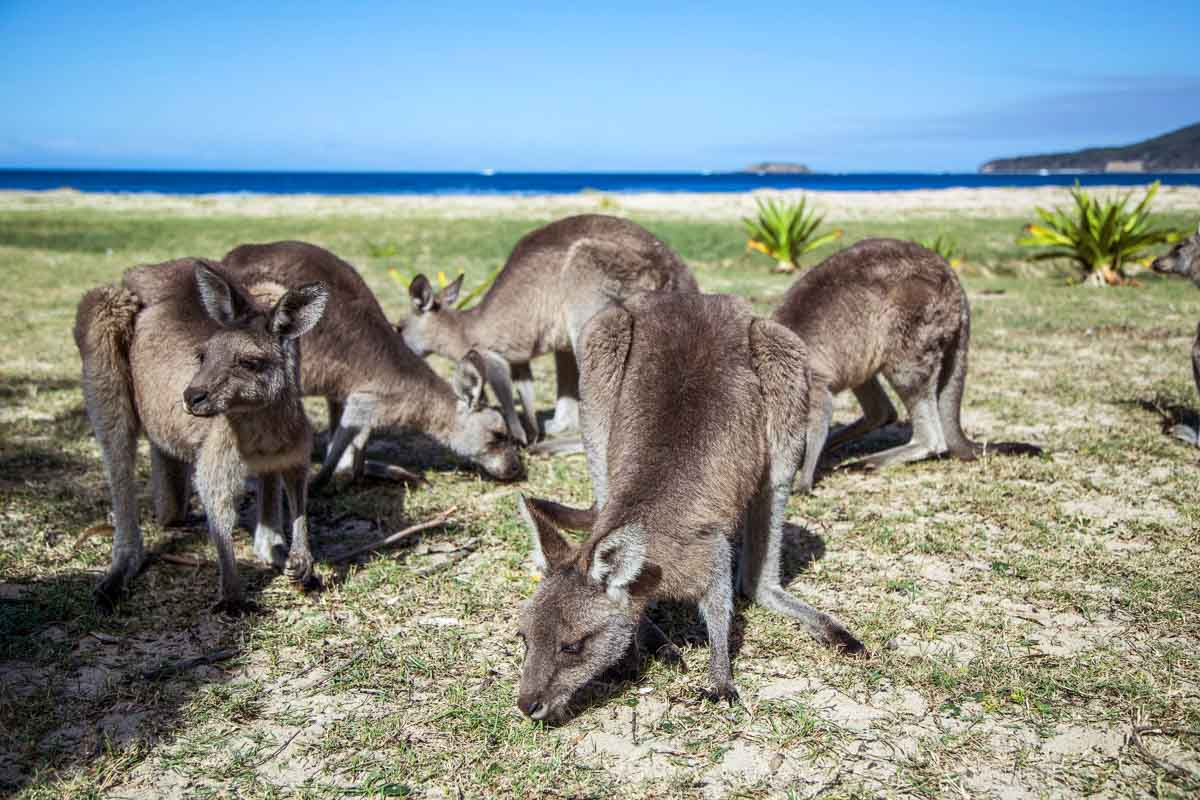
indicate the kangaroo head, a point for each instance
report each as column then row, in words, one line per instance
column 431, row 327
column 1182, row 259
column 480, row 433
column 584, row 616
column 252, row 361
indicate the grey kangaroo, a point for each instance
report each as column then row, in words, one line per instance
column 693, row 414
column 891, row 308
column 1184, row 259
column 178, row 351
column 554, row 280
column 370, row 379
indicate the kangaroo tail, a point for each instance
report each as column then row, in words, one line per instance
column 103, row 332
column 951, row 383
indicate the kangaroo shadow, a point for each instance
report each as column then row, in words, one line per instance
column 75, row 685
column 412, row 450
column 1177, row 421
column 684, row 628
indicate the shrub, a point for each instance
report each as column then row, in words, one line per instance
column 785, row 232
column 946, row 247
column 1100, row 236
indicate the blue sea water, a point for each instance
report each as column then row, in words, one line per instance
column 183, row 182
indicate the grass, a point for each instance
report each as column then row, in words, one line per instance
column 1023, row 615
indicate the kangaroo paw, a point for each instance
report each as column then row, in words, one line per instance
column 728, row 692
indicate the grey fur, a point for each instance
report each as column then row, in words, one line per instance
column 693, row 417
column 177, row 351
column 358, row 362
column 889, row 308
column 1184, row 259
column 556, row 278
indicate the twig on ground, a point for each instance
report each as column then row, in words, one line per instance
column 279, row 749
column 452, row 558
column 94, row 530
column 398, row 536
column 347, row 664
column 167, row 670
column 1174, row 770
column 184, row 561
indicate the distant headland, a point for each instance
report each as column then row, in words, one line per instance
column 1177, row 151
column 777, row 168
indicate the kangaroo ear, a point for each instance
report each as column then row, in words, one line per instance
column 449, row 295
column 223, row 303
column 299, row 310
column 549, row 548
column 421, row 293
column 572, row 519
column 469, row 380
column 617, row 560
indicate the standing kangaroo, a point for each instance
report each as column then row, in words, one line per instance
column 357, row 361
column 891, row 308
column 1184, row 259
column 693, row 416
column 179, row 352
column 555, row 279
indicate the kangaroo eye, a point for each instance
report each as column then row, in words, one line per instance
column 573, row 648
column 199, row 356
column 252, row 364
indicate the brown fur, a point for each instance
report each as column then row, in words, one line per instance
column 179, row 352
column 1184, row 260
column 693, row 418
column 894, row 309
column 556, row 278
column 360, row 364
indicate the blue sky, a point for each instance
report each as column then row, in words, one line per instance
column 840, row 86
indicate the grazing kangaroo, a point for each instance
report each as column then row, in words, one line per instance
column 357, row 361
column 179, row 352
column 891, row 308
column 555, row 279
column 1184, row 259
column 693, row 416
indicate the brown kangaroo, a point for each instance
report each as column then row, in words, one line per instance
column 180, row 352
column 357, row 361
column 1184, row 259
column 891, row 308
column 693, row 415
column 555, row 279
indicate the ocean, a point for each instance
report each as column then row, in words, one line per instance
column 198, row 182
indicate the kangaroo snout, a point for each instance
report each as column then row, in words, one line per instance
column 532, row 707
column 196, row 400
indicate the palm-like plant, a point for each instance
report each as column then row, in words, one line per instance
column 1100, row 236
column 946, row 247
column 786, row 231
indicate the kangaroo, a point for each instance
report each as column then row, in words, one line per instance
column 357, row 361
column 891, row 308
column 693, row 415
column 554, row 280
column 1184, row 259
column 177, row 351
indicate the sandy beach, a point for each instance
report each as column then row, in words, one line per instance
column 989, row 202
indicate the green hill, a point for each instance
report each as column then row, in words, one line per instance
column 1178, row 151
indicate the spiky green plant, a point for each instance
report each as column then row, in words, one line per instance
column 785, row 232
column 946, row 247
column 1100, row 236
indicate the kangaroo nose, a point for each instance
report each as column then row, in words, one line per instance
column 194, row 396
column 534, row 709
